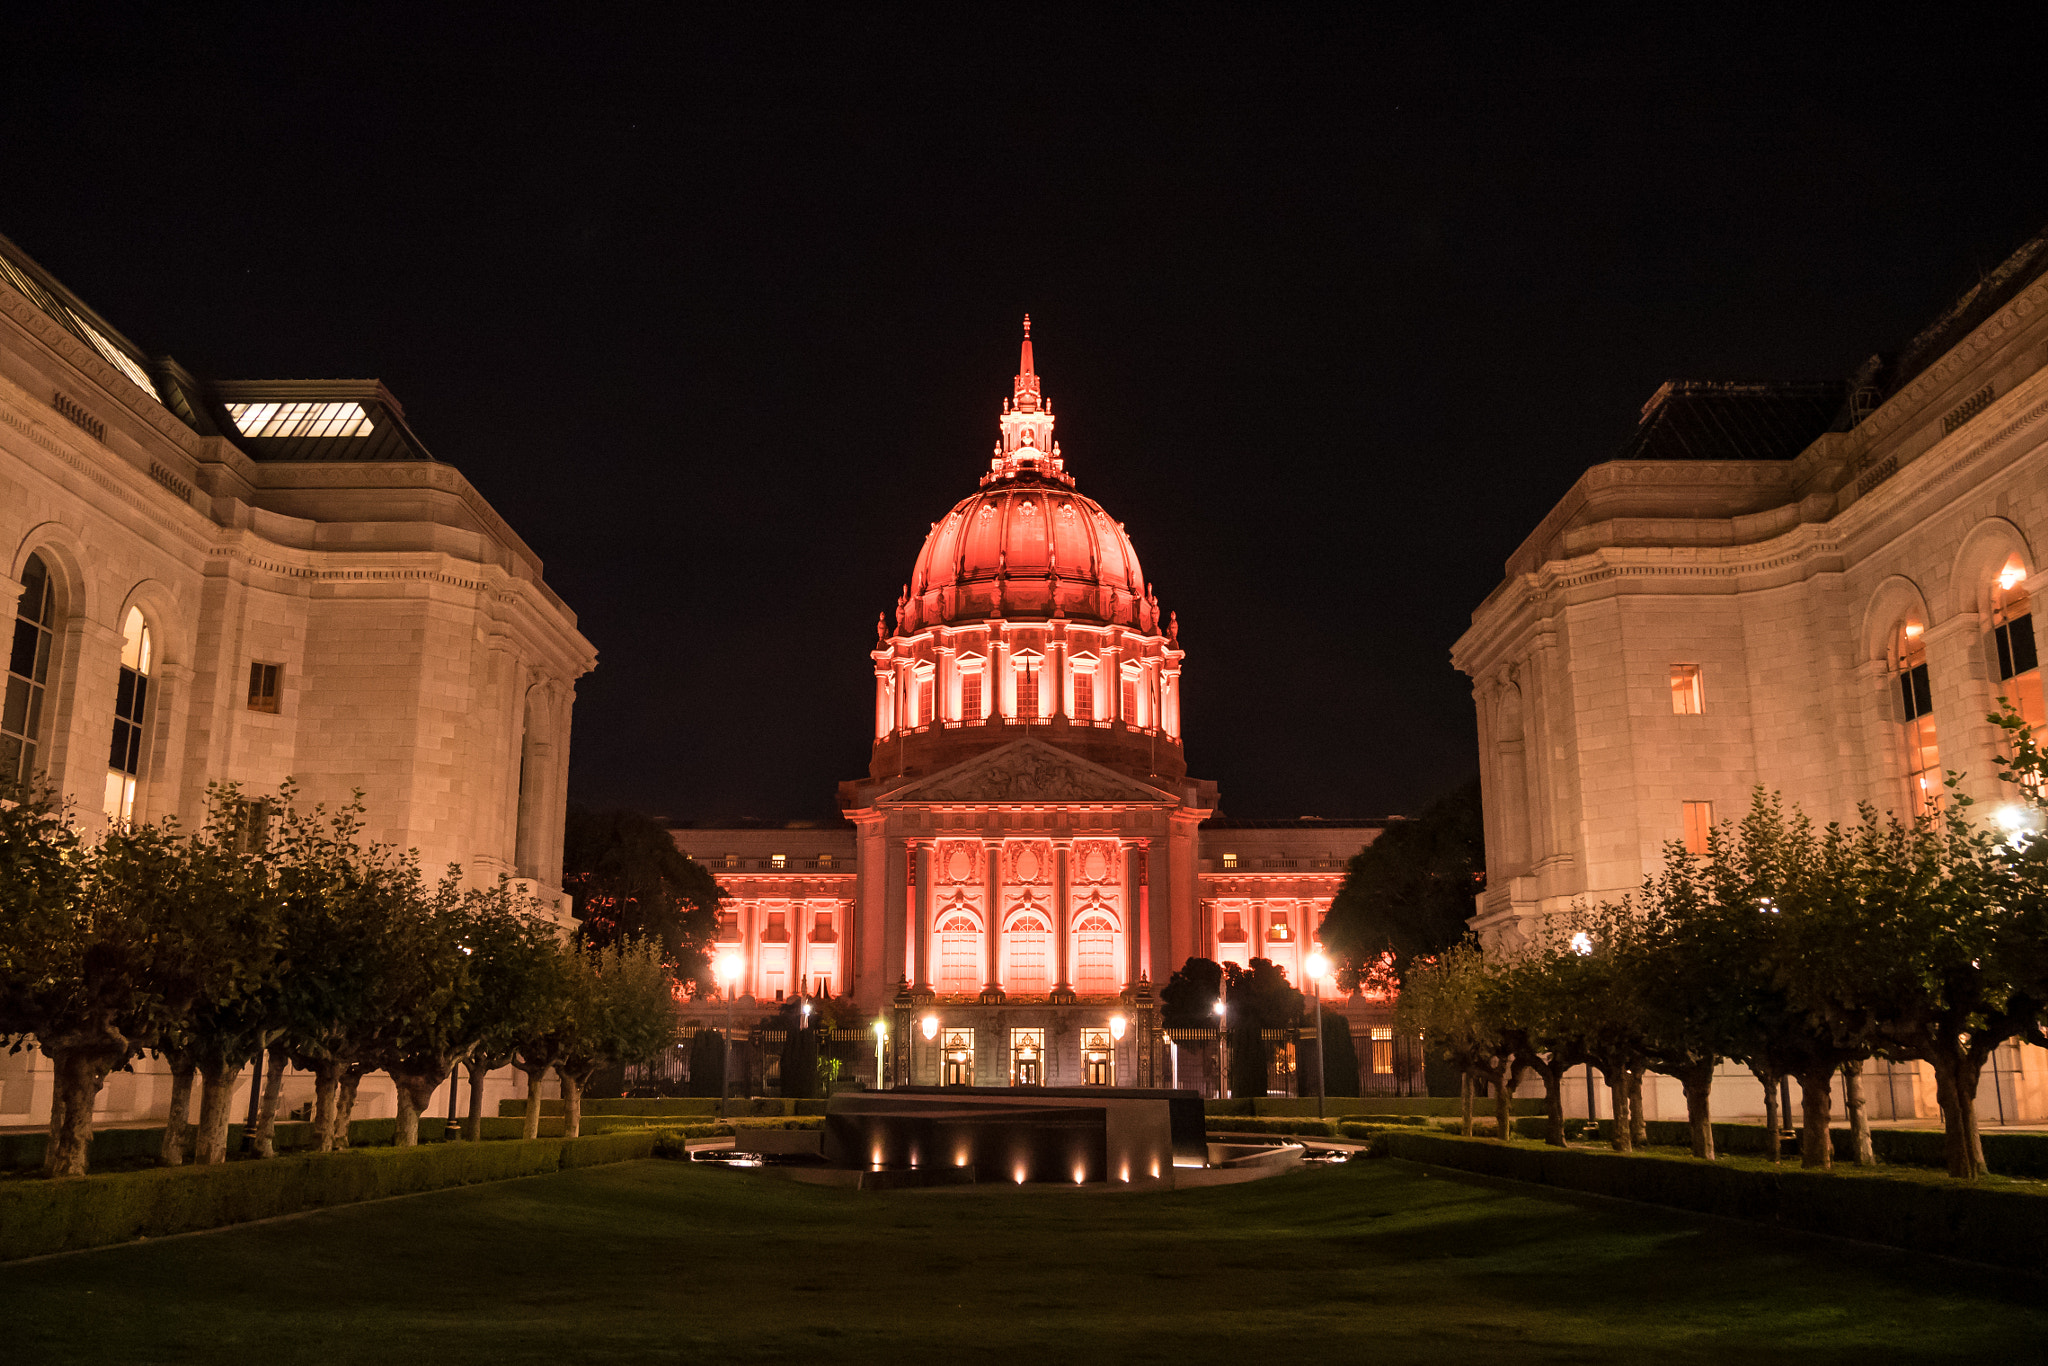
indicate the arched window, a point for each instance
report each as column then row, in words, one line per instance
column 1916, row 718
column 959, row 956
column 28, row 673
column 2013, row 651
column 131, row 701
column 1029, row 944
column 1095, row 955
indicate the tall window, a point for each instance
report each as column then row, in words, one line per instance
column 970, row 696
column 1131, row 717
column 28, row 673
column 2012, row 641
column 1095, row 955
column 1688, row 693
column 1916, row 717
column 1028, row 941
column 124, row 756
column 1699, row 820
column 924, row 701
column 1027, row 690
column 1382, row 1050
column 263, row 686
column 1084, row 696
column 959, row 956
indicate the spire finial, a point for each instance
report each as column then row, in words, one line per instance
column 1026, row 391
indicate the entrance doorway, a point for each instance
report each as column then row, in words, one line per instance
column 957, row 1058
column 1027, row 1054
column 1098, row 1058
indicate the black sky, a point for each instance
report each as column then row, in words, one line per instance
column 718, row 312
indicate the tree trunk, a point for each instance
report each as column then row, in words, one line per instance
column 1955, row 1085
column 1503, row 1104
column 1623, row 1129
column 217, row 1079
column 326, row 1095
column 1553, row 1105
column 1465, row 1102
column 572, row 1105
column 1698, row 1082
column 1859, row 1121
column 76, row 1077
column 415, row 1091
column 345, row 1105
column 1816, row 1140
column 534, row 1077
column 177, row 1120
column 473, row 1129
column 1638, row 1127
column 1773, row 1121
column 266, row 1113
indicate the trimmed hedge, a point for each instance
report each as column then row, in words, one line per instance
column 2021, row 1154
column 1954, row 1220
column 92, row 1211
column 117, row 1147
column 1351, row 1107
column 672, row 1107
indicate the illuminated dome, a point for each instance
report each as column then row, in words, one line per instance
column 1027, row 545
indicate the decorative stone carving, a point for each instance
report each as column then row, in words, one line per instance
column 1028, row 771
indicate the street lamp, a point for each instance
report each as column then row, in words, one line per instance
column 729, row 965
column 1318, row 968
column 1222, row 1054
column 881, row 1033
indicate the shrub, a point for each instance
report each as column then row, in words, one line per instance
column 92, row 1211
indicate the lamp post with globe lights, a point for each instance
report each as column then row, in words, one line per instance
column 881, row 1037
column 729, row 965
column 1318, row 968
column 1117, row 1025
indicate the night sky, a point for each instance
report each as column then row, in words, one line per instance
column 719, row 315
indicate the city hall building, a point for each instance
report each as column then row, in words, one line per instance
column 240, row 582
column 1820, row 589
column 1027, row 858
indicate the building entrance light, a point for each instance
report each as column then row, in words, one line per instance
column 1117, row 1025
column 930, row 1026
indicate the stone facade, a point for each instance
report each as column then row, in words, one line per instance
column 1026, row 860
column 1826, row 610
column 322, row 601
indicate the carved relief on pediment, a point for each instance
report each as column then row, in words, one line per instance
column 1028, row 771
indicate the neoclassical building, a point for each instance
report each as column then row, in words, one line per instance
column 1821, row 589
column 1026, row 858
column 253, row 580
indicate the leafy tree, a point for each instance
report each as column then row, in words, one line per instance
column 1188, row 1000
column 628, row 881
column 799, row 1055
column 621, row 1009
column 1549, row 1014
column 1411, row 891
column 707, row 1063
column 1456, row 1004
column 1258, row 997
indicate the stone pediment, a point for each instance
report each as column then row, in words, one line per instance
column 1028, row 771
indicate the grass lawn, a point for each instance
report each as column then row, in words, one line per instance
column 663, row 1261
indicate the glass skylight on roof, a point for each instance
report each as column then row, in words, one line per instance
column 300, row 419
column 74, row 322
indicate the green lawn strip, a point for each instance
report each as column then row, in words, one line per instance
column 1990, row 1220
column 670, row 1261
column 38, row 1217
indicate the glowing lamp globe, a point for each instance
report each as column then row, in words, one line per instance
column 930, row 1025
column 1318, row 966
column 1117, row 1025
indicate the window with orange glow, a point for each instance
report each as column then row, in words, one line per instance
column 2013, row 650
column 1916, row 719
column 1027, row 690
column 959, row 956
column 1382, row 1050
column 1131, row 717
column 1698, row 818
column 924, row 701
column 1688, row 692
column 1095, row 955
column 1084, row 696
column 970, row 696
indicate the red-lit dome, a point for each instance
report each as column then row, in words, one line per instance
column 1027, row 545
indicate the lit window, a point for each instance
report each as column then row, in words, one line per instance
column 1084, row 696
column 959, row 956
column 1916, row 716
column 263, row 681
column 970, row 696
column 2012, row 638
column 1278, row 927
column 1027, row 690
column 131, row 696
column 79, row 327
column 300, row 419
column 732, row 860
column 778, row 860
column 1688, row 694
column 28, row 671
column 1699, row 819
column 1030, row 945
column 824, row 860
column 1382, row 1050
column 924, row 701
column 1230, row 860
column 1130, row 700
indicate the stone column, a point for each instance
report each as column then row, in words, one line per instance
column 923, row 899
column 896, row 918
column 992, row 914
column 1137, row 913
column 1062, row 897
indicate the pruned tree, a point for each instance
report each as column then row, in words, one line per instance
column 1411, row 892
column 628, row 881
column 621, row 1008
column 1455, row 1001
column 1549, row 1012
